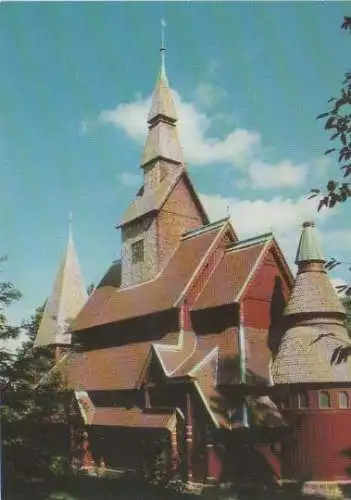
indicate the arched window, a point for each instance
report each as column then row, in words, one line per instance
column 302, row 399
column 343, row 400
column 324, row 400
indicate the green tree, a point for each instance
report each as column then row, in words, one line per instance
column 347, row 305
column 35, row 418
column 338, row 122
column 8, row 295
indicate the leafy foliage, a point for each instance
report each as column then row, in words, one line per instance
column 8, row 295
column 33, row 446
column 157, row 460
column 338, row 122
column 347, row 305
column 332, row 264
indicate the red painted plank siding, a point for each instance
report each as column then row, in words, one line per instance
column 204, row 275
column 269, row 283
column 256, row 313
column 315, row 452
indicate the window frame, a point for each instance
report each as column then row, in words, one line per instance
column 302, row 400
column 320, row 395
column 137, row 249
column 347, row 399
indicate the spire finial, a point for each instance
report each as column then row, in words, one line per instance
column 163, row 49
column 70, row 223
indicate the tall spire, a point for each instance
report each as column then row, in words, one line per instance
column 162, row 103
column 67, row 298
column 162, row 142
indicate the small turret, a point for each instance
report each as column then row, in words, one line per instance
column 314, row 322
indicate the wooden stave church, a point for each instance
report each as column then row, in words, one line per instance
column 180, row 330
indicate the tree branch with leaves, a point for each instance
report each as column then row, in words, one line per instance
column 338, row 122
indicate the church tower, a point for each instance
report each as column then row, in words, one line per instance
column 166, row 205
column 66, row 300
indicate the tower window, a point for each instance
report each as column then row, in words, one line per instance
column 324, row 400
column 343, row 400
column 137, row 251
column 302, row 399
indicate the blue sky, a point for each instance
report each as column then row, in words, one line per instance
column 76, row 81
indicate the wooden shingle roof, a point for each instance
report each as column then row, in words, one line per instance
column 133, row 418
column 109, row 305
column 309, row 354
column 231, row 275
column 66, row 300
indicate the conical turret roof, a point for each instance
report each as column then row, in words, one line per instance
column 67, row 298
column 310, row 348
column 313, row 291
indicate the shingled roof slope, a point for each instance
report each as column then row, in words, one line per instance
column 162, row 142
column 230, row 276
column 67, row 299
column 153, row 199
column 162, row 104
column 109, row 305
column 310, row 347
column 105, row 369
column 310, row 354
column 134, row 418
column 173, row 356
column 313, row 293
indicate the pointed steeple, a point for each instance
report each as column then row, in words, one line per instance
column 162, row 142
column 67, row 298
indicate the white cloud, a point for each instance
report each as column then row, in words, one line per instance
column 130, row 117
column 281, row 175
column 199, row 148
column 254, row 216
column 283, row 216
column 129, row 179
column 241, row 183
column 209, row 95
column 240, row 147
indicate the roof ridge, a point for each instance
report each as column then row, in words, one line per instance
column 253, row 271
column 248, row 242
column 172, row 178
column 204, row 229
column 204, row 360
column 203, row 260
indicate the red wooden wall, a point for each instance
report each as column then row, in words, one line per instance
column 316, row 450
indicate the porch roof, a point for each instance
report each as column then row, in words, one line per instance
column 134, row 418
